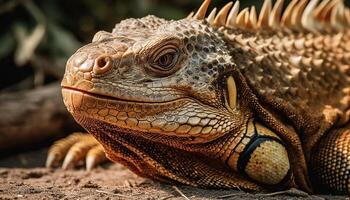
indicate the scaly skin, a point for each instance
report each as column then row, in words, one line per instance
column 206, row 104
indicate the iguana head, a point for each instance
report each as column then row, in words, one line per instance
column 156, row 77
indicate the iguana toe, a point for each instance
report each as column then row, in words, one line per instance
column 95, row 156
column 60, row 148
column 73, row 149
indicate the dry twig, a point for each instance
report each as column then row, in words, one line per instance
column 181, row 193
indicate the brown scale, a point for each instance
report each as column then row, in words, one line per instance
column 331, row 163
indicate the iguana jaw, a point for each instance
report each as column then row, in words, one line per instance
column 182, row 118
column 114, row 97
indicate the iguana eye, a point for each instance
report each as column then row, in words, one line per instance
column 165, row 58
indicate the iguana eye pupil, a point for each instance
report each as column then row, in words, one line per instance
column 166, row 60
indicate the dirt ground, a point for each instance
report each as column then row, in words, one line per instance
column 23, row 177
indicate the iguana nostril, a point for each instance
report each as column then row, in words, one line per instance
column 102, row 64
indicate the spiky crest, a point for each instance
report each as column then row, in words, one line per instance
column 305, row 15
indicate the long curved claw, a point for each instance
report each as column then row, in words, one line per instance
column 60, row 148
column 78, row 151
column 94, row 157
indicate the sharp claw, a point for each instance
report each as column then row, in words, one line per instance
column 51, row 160
column 69, row 160
column 94, row 157
column 90, row 162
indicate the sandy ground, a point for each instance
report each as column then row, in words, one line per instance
column 23, row 177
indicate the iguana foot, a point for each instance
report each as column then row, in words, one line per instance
column 73, row 149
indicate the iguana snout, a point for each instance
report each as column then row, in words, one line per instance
column 96, row 59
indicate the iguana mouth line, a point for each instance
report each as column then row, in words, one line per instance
column 106, row 97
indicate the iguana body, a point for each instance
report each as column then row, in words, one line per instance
column 230, row 101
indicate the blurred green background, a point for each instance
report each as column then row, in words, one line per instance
column 38, row 36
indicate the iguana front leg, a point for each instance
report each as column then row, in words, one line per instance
column 73, row 149
column 331, row 161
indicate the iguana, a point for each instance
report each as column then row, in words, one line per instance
column 226, row 100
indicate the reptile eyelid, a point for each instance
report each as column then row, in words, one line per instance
column 155, row 53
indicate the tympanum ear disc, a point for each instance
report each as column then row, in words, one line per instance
column 231, row 97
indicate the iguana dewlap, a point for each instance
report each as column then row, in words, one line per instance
column 231, row 100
